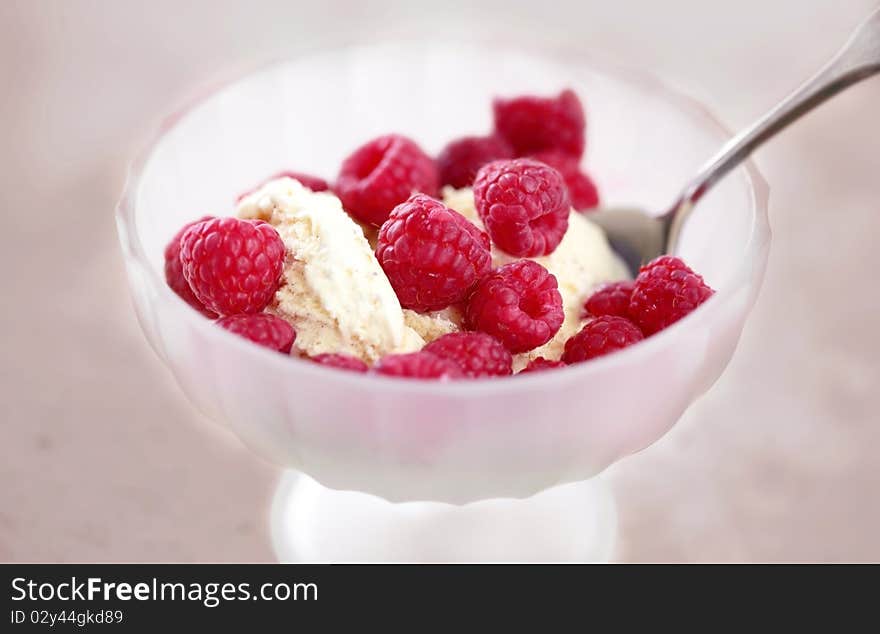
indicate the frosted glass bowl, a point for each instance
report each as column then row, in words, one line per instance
column 456, row 442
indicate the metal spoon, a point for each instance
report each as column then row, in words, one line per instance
column 640, row 237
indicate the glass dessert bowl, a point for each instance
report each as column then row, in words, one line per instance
column 457, row 442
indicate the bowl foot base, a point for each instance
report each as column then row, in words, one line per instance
column 311, row 523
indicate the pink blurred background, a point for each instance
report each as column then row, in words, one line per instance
column 102, row 458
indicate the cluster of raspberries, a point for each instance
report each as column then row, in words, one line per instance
column 526, row 178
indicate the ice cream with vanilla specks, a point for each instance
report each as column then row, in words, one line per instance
column 333, row 291
column 480, row 261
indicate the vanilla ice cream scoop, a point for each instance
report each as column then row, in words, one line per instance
column 435, row 324
column 333, row 290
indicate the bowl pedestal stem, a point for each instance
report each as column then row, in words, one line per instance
column 312, row 523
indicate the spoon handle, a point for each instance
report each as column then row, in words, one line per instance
column 857, row 60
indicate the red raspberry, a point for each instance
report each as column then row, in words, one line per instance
column 519, row 304
column 384, row 173
column 524, row 205
column 314, row 183
column 610, row 299
column 602, row 335
column 534, row 124
column 431, row 254
column 665, row 290
column 341, row 361
column 418, row 365
column 174, row 271
column 267, row 330
column 540, row 364
column 476, row 353
column 581, row 188
column 459, row 161
column 233, row 266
